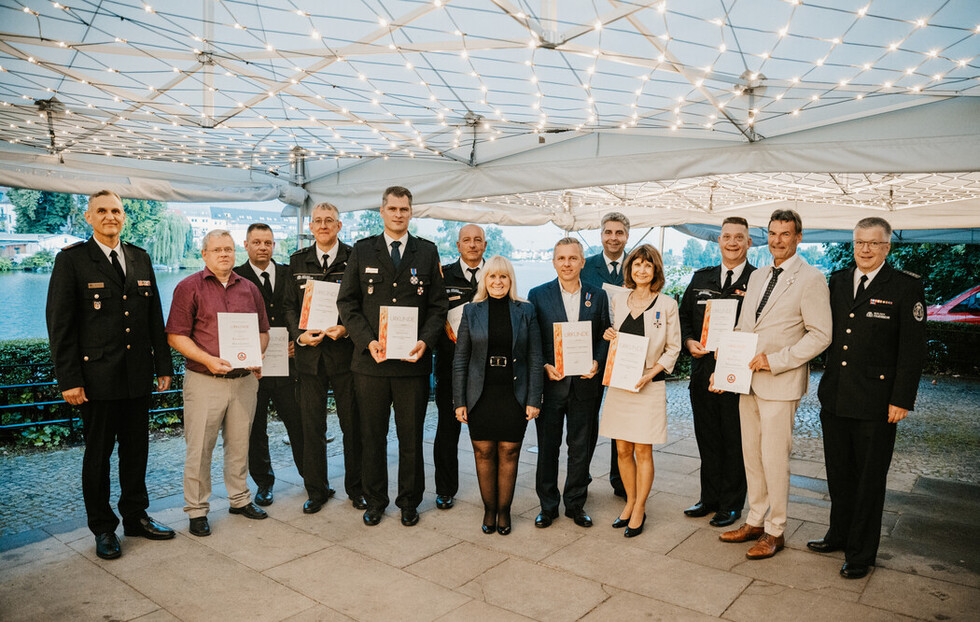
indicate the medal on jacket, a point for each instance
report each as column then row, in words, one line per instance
column 97, row 305
column 588, row 302
column 415, row 279
column 656, row 321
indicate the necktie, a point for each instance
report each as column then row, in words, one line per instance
column 396, row 255
column 615, row 268
column 728, row 280
column 266, row 285
column 326, row 262
column 472, row 272
column 769, row 288
column 114, row 260
column 861, row 286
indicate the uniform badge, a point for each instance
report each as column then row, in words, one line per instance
column 143, row 283
column 919, row 312
column 96, row 285
column 419, row 291
column 97, row 305
column 370, row 289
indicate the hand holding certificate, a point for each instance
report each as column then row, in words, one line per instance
column 319, row 305
column 625, row 363
column 719, row 318
column 276, row 361
column 573, row 348
column 732, row 372
column 238, row 339
column 398, row 332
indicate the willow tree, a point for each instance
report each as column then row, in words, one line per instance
column 170, row 239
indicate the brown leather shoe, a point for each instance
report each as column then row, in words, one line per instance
column 743, row 534
column 767, row 546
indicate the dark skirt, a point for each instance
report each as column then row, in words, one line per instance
column 497, row 416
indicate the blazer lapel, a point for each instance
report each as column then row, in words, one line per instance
column 558, row 301
column 131, row 265
column 100, row 259
column 878, row 282
column 384, row 255
column 408, row 256
column 786, row 279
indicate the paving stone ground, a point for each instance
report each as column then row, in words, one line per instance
column 329, row 566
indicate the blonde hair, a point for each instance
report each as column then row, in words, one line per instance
column 496, row 265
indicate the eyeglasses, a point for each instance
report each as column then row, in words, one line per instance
column 323, row 222
column 872, row 245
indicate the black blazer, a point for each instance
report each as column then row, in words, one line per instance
column 596, row 273
column 106, row 335
column 884, row 331
column 469, row 364
column 705, row 285
column 459, row 291
column 593, row 307
column 371, row 281
column 275, row 307
column 333, row 356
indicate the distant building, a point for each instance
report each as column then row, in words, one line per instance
column 8, row 217
column 235, row 220
column 19, row 246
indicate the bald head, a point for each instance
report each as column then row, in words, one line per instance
column 472, row 243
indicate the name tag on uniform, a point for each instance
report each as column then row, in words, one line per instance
column 878, row 316
column 451, row 298
column 96, row 285
column 370, row 270
column 143, row 283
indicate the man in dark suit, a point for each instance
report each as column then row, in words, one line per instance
column 461, row 278
column 716, row 418
column 568, row 299
column 873, row 368
column 273, row 280
column 105, row 328
column 607, row 267
column 323, row 358
column 401, row 270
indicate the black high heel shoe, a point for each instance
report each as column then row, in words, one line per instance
column 503, row 517
column 619, row 523
column 489, row 529
column 632, row 533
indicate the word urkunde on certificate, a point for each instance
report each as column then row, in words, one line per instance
column 319, row 305
column 719, row 318
column 398, row 331
column 573, row 348
column 735, row 352
column 238, row 339
column 624, row 365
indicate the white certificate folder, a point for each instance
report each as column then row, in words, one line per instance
column 626, row 360
column 735, row 352
column 573, row 348
column 238, row 339
column 319, row 305
column 398, row 331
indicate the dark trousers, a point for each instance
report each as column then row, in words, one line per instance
column 104, row 422
column 445, row 448
column 313, row 406
column 858, row 453
column 376, row 395
column 718, row 431
column 282, row 393
column 614, row 478
column 579, row 415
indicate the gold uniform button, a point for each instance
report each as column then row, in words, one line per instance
column 394, row 284
column 84, row 358
column 124, row 296
column 845, row 347
column 394, row 300
column 127, row 329
column 842, row 363
column 851, row 315
column 881, row 377
column 96, row 296
column 848, row 331
column 128, row 347
column 126, row 313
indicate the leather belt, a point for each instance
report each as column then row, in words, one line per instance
column 498, row 361
column 235, row 373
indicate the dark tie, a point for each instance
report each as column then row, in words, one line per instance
column 728, row 280
column 266, row 285
column 114, row 260
column 396, row 255
column 325, row 262
column 615, row 269
column 472, row 272
column 769, row 288
column 861, row 286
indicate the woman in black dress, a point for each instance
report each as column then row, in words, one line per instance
column 497, row 385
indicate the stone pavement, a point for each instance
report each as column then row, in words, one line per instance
column 329, row 566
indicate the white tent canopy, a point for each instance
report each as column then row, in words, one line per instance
column 505, row 111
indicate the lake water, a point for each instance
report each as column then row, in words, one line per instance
column 24, row 295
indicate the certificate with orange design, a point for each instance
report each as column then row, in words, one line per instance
column 319, row 305
column 573, row 348
column 398, row 331
column 238, row 339
column 625, row 362
column 453, row 320
column 735, row 352
column 719, row 317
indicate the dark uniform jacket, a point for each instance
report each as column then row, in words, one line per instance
column 333, row 356
column 105, row 335
column 371, row 281
column 878, row 347
column 459, row 291
column 706, row 285
column 275, row 307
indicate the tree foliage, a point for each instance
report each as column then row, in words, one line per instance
column 141, row 220
column 48, row 212
column 171, row 237
column 448, row 235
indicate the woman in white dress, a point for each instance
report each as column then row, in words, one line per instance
column 639, row 420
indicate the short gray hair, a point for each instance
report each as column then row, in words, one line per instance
column 615, row 217
column 874, row 221
column 325, row 206
column 214, row 233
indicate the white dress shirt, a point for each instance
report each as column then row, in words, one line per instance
column 403, row 240
column 466, row 267
column 571, row 301
column 736, row 272
column 326, row 257
column 270, row 269
column 107, row 250
column 609, row 260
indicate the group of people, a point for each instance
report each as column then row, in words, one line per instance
column 495, row 372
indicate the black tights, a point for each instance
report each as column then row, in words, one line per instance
column 496, row 468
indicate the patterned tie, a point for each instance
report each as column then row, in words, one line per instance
column 266, row 285
column 472, row 272
column 728, row 280
column 396, row 255
column 114, row 260
column 861, row 286
column 615, row 269
column 769, row 288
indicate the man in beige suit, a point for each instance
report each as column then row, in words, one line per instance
column 788, row 306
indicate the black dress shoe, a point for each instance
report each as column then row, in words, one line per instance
column 107, row 546
column 619, row 523
column 698, row 510
column 149, row 529
column 312, row 507
column 444, row 502
column 263, row 496
column 250, row 511
column 822, row 546
column 724, row 519
column 410, row 516
column 580, row 517
column 543, row 520
column 372, row 517
column 359, row 502
column 632, row 533
column 200, row 527
column 853, row 571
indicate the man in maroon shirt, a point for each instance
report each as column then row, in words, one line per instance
column 216, row 395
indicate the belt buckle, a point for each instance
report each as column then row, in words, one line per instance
column 498, row 361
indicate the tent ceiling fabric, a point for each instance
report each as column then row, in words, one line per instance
column 464, row 100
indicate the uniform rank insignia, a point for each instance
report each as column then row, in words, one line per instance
column 143, row 283
column 97, row 305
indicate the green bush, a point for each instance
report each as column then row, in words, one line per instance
column 40, row 259
column 6, row 264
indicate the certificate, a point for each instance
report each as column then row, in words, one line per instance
column 276, row 361
column 719, row 317
column 238, row 339
column 573, row 348
column 398, row 331
column 735, row 351
column 319, row 305
column 626, row 361
column 453, row 320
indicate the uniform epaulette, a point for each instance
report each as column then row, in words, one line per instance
column 421, row 239
column 839, row 271
column 299, row 251
column 139, row 248
column 911, row 274
column 73, row 245
column 706, row 269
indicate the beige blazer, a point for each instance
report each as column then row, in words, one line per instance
column 665, row 334
column 794, row 327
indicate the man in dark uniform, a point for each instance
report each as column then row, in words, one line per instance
column 716, row 418
column 273, row 280
column 461, row 278
column 323, row 358
column 397, row 269
column 105, row 328
column 607, row 267
column 873, row 368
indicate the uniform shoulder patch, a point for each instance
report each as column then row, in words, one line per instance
column 139, row 248
column 299, row 251
column 706, row 269
column 73, row 245
column 918, row 312
column 911, row 274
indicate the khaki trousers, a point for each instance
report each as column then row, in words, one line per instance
column 767, row 440
column 212, row 405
